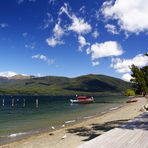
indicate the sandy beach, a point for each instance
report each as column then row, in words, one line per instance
column 74, row 135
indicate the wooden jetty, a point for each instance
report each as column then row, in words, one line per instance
column 133, row 134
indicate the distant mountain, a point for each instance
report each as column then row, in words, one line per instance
column 52, row 85
column 20, row 77
column 3, row 79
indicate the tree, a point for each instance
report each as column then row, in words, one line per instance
column 145, row 72
column 140, row 79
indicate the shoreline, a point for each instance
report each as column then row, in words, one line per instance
column 16, row 137
column 77, row 133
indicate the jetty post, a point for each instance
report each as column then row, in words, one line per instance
column 37, row 103
column 3, row 102
column 24, row 103
column 12, row 102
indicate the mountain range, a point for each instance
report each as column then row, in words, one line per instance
column 53, row 85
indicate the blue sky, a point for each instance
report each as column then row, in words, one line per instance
column 72, row 38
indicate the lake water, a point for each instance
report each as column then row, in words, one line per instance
column 21, row 116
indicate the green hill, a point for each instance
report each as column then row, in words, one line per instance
column 51, row 85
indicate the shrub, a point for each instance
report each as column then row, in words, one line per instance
column 130, row 92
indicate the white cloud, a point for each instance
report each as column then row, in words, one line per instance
column 82, row 9
column 31, row 45
column 58, row 31
column 111, row 28
column 106, row 49
column 88, row 50
column 3, row 25
column 50, row 61
column 82, row 42
column 95, row 63
column 97, row 15
column 132, row 15
column 43, row 58
column 122, row 65
column 40, row 57
column 46, row 22
column 64, row 9
column 8, row 74
column 53, row 42
column 95, row 34
column 78, row 24
column 126, row 77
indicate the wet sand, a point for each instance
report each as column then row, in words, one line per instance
column 79, row 133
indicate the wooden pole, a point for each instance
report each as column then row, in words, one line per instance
column 24, row 103
column 37, row 103
column 12, row 102
column 3, row 103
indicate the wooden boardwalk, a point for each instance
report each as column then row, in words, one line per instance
column 133, row 134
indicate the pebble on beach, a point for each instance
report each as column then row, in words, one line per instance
column 63, row 125
column 53, row 127
column 64, row 137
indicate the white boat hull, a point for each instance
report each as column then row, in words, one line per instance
column 82, row 101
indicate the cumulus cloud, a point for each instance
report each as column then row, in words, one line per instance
column 106, row 49
column 53, row 42
column 79, row 25
column 111, row 28
column 126, row 77
column 43, row 58
column 82, row 42
column 3, row 25
column 95, row 34
column 132, row 15
column 122, row 65
column 58, row 32
column 8, row 74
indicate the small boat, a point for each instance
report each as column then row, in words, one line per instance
column 82, row 99
column 131, row 101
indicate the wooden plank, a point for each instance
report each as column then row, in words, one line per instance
column 134, row 134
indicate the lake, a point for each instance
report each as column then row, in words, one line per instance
column 21, row 116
